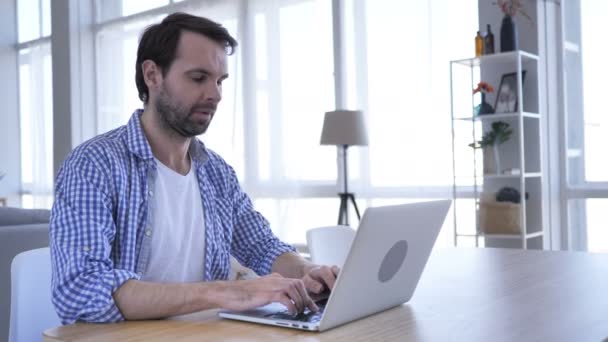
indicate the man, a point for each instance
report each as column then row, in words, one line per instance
column 145, row 216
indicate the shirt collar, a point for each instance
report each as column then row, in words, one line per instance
column 138, row 143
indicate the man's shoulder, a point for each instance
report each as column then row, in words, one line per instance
column 102, row 148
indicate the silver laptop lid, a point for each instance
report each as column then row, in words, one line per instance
column 385, row 261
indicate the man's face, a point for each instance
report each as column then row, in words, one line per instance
column 192, row 88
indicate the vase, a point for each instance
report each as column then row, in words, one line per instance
column 496, row 159
column 491, row 160
column 508, row 34
column 489, row 164
column 485, row 107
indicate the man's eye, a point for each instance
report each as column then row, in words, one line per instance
column 199, row 79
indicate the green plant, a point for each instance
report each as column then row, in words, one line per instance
column 500, row 133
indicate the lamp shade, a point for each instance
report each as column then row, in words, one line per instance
column 344, row 127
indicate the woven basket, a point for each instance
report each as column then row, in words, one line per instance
column 499, row 217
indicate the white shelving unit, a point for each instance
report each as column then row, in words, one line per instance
column 521, row 152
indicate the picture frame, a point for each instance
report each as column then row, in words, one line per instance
column 506, row 94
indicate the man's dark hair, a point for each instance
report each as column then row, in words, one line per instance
column 159, row 43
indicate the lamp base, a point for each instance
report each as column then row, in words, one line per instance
column 343, row 213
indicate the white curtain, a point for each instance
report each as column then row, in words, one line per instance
column 36, row 121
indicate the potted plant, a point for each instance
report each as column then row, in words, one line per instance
column 500, row 133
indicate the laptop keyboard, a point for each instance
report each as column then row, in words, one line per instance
column 306, row 316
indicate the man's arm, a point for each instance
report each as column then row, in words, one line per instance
column 145, row 300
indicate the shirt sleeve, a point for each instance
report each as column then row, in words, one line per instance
column 82, row 233
column 254, row 244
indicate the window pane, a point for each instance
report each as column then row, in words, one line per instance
column 409, row 46
column 307, row 90
column 36, row 121
column 587, row 225
column 28, row 19
column 135, row 6
column 294, row 81
column 25, row 106
column 46, row 18
column 291, row 218
column 587, row 126
column 595, row 69
column 110, row 9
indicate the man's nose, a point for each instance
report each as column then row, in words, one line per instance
column 213, row 92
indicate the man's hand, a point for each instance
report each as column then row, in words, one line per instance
column 319, row 278
column 253, row 293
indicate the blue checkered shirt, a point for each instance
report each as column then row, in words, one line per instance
column 100, row 229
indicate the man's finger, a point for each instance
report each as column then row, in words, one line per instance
column 307, row 301
column 328, row 276
column 313, row 285
column 336, row 270
column 283, row 299
column 291, row 289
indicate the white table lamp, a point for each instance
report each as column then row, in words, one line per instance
column 344, row 128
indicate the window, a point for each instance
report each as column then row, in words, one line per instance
column 281, row 83
column 35, row 102
column 586, row 124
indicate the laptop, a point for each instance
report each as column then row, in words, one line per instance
column 383, row 266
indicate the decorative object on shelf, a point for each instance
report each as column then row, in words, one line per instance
column 512, row 171
column 483, row 107
column 478, row 44
column 508, row 35
column 500, row 133
column 508, row 27
column 488, row 42
column 509, row 194
column 344, row 128
column 498, row 217
column 506, row 96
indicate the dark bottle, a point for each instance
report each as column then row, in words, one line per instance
column 488, row 42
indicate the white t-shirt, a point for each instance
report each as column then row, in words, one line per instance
column 178, row 228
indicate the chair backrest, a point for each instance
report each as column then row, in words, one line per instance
column 32, row 311
column 14, row 240
column 329, row 245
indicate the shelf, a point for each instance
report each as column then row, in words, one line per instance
column 503, row 236
column 494, row 176
column 522, row 153
column 526, row 175
column 496, row 58
column 498, row 116
column 512, row 236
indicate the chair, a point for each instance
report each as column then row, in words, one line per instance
column 31, row 309
column 329, row 245
column 20, row 230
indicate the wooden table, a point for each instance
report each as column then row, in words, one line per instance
column 463, row 295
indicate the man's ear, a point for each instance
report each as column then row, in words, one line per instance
column 152, row 74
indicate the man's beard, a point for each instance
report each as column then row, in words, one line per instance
column 177, row 118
